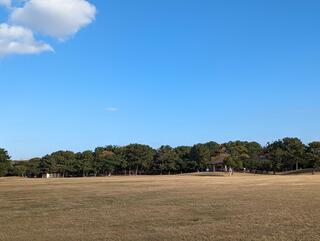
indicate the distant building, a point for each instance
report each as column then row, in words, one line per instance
column 218, row 162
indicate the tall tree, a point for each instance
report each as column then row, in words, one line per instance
column 122, row 163
column 200, row 154
column 166, row 160
column 276, row 154
column 213, row 147
column 294, row 152
column 46, row 165
column 313, row 155
column 5, row 162
column 254, row 151
column 183, row 163
column 60, row 162
column 139, row 157
column 86, row 160
column 238, row 153
column 98, row 163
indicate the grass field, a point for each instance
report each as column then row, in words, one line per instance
column 161, row 208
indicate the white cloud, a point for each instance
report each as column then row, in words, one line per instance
column 6, row 3
column 56, row 18
column 19, row 40
column 112, row 109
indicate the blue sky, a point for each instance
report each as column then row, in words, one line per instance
column 172, row 72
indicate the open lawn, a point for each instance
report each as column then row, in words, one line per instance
column 161, row 208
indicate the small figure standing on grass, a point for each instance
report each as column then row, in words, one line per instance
column 230, row 171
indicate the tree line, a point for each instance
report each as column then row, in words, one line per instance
column 136, row 159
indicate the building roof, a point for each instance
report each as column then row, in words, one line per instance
column 219, row 159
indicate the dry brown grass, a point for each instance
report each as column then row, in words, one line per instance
column 161, row 208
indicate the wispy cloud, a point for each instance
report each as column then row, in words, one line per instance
column 112, row 109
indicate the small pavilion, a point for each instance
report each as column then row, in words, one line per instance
column 218, row 162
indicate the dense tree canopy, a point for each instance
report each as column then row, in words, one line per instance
column 135, row 159
column 139, row 157
column 200, row 155
column 165, row 160
column 4, row 162
column 313, row 155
